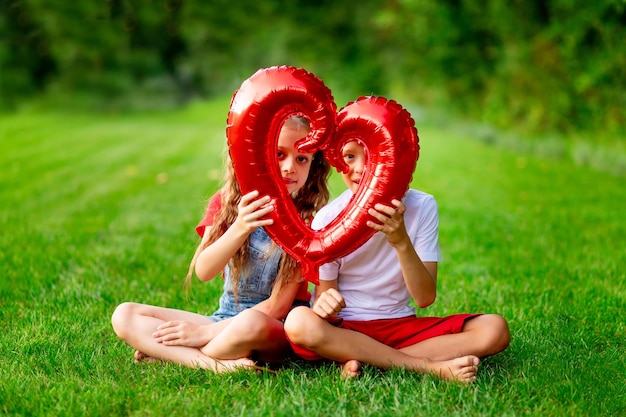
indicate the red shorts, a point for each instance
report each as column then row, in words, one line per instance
column 397, row 333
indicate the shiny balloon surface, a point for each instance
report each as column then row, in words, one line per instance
column 386, row 130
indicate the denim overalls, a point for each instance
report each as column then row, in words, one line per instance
column 257, row 278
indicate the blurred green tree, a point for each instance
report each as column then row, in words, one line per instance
column 539, row 65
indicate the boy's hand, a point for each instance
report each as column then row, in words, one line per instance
column 392, row 221
column 329, row 303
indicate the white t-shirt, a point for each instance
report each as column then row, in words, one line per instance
column 370, row 278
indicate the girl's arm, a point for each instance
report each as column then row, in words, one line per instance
column 184, row 333
column 281, row 299
column 419, row 277
column 212, row 259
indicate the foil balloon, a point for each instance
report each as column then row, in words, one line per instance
column 386, row 130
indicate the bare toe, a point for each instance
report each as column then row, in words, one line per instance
column 142, row 357
column 351, row 369
column 139, row 356
column 461, row 369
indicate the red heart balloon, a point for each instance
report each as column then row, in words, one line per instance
column 383, row 127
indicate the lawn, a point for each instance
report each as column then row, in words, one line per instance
column 100, row 209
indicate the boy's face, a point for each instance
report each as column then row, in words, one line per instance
column 354, row 157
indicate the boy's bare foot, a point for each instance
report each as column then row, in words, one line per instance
column 141, row 357
column 461, row 369
column 350, row 369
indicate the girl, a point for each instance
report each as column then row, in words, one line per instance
column 261, row 282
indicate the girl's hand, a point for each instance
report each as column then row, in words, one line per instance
column 329, row 303
column 181, row 333
column 392, row 219
column 251, row 210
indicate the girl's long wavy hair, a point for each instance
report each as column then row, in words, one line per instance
column 308, row 200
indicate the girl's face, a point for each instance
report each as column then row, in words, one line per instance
column 354, row 157
column 294, row 166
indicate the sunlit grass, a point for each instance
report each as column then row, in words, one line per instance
column 100, row 209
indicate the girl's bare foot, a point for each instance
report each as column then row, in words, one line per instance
column 141, row 357
column 461, row 369
column 351, row 369
column 215, row 365
column 230, row 365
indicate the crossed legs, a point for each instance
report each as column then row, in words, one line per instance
column 251, row 332
column 307, row 329
column 229, row 348
column 481, row 336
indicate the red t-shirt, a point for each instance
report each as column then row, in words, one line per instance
column 215, row 204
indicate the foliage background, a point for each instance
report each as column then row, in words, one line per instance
column 536, row 65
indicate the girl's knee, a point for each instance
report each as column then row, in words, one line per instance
column 121, row 318
column 251, row 324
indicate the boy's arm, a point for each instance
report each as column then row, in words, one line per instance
column 420, row 277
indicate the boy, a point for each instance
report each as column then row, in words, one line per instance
column 362, row 312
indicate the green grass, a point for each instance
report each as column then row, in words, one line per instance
column 100, row 209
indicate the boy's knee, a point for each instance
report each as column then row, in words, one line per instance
column 500, row 333
column 293, row 322
column 300, row 326
column 505, row 333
